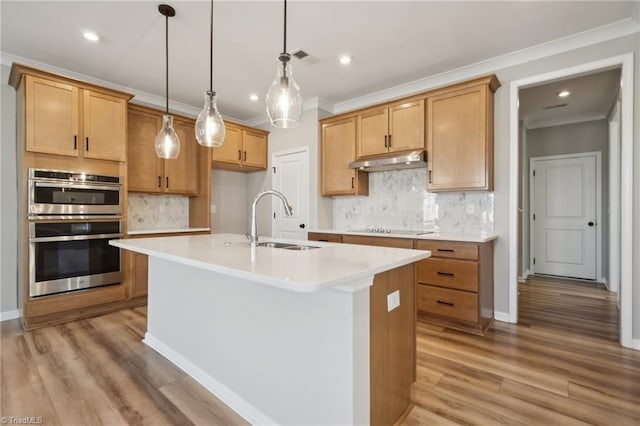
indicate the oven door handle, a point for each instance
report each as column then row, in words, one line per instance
column 76, row 186
column 73, row 238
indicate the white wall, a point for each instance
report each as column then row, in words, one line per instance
column 588, row 136
column 8, row 198
column 229, row 194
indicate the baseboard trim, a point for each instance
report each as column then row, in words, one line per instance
column 226, row 395
column 501, row 316
column 9, row 315
column 635, row 344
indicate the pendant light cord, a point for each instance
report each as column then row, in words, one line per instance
column 211, row 52
column 284, row 49
column 166, row 46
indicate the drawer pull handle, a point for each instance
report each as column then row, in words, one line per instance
column 448, row 274
column 446, row 250
column 442, row 302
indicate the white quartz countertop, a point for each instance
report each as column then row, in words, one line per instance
column 166, row 231
column 442, row 236
column 331, row 265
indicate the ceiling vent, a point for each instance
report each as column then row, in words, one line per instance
column 304, row 57
column 300, row 54
column 555, row 106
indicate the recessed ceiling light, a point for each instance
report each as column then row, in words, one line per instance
column 91, row 36
column 564, row 93
column 345, row 59
column 253, row 97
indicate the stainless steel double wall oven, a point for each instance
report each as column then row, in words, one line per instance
column 72, row 216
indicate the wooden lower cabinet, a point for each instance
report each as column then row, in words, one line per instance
column 138, row 274
column 455, row 285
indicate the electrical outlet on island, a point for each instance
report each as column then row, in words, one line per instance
column 393, row 300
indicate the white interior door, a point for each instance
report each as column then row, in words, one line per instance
column 564, row 216
column 290, row 175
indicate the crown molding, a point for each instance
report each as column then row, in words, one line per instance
column 308, row 105
column 140, row 97
column 574, row 41
column 560, row 121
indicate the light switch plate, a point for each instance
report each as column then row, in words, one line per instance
column 393, row 300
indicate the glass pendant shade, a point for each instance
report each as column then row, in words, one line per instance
column 210, row 129
column 284, row 101
column 167, row 142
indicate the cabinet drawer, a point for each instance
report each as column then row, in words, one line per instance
column 456, row 274
column 455, row 304
column 321, row 236
column 450, row 249
column 378, row 241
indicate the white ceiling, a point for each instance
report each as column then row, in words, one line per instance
column 392, row 42
column 591, row 97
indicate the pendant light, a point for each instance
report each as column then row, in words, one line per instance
column 284, row 102
column 210, row 129
column 167, row 142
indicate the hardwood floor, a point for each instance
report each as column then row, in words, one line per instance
column 98, row 371
column 561, row 365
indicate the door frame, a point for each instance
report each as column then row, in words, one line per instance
column 302, row 149
column 613, row 283
column 598, row 156
column 625, row 211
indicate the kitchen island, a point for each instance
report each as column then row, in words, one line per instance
column 285, row 336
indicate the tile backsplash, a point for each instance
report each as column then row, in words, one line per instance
column 157, row 212
column 399, row 200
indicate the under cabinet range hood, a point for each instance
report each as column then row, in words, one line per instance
column 391, row 161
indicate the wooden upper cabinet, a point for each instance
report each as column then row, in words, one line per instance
column 105, row 126
column 254, row 149
column 398, row 127
column 51, row 117
column 406, row 126
column 231, row 150
column 338, row 150
column 374, row 131
column 144, row 166
column 244, row 149
column 181, row 174
column 460, row 137
column 150, row 174
column 72, row 118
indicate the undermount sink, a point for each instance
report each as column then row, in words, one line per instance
column 273, row 244
column 301, row 247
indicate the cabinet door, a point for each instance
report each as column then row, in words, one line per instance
column 338, row 150
column 181, row 174
column 254, row 146
column 231, row 150
column 374, row 126
column 457, row 140
column 51, row 117
column 105, row 126
column 138, row 274
column 406, row 126
column 143, row 165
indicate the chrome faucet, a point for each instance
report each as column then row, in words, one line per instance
column 253, row 237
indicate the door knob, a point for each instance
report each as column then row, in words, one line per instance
column 590, row 224
column 302, row 225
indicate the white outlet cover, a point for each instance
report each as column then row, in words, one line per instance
column 393, row 300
